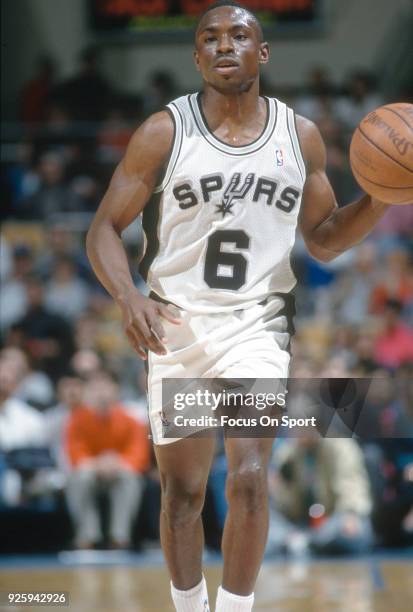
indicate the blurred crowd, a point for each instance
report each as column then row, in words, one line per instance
column 73, row 423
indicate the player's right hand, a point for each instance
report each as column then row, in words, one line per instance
column 142, row 323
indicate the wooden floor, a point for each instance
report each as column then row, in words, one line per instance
column 360, row 586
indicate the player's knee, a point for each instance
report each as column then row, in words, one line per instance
column 182, row 503
column 246, row 487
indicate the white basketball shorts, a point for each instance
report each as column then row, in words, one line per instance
column 250, row 343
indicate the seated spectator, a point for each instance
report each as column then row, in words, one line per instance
column 66, row 293
column 86, row 363
column 390, row 462
column 354, row 286
column 87, row 332
column 34, row 387
column 69, row 395
column 108, row 451
column 114, row 135
column 395, row 227
column 160, row 89
column 396, row 281
column 321, row 496
column 21, row 428
column 63, row 242
column 54, row 195
column 45, row 336
column 86, row 93
column 13, row 298
column 317, row 101
column 394, row 344
column 359, row 100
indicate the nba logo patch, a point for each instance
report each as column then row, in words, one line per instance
column 279, row 157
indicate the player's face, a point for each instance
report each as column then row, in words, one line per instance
column 229, row 50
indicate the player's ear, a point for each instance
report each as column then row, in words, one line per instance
column 264, row 53
column 196, row 59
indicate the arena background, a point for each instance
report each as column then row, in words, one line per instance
column 73, row 91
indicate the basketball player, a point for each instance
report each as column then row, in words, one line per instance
column 222, row 177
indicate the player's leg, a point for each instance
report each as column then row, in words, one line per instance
column 246, row 526
column 184, row 467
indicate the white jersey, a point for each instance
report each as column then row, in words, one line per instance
column 220, row 227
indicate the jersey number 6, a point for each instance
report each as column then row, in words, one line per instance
column 224, row 269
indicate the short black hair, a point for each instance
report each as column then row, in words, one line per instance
column 222, row 3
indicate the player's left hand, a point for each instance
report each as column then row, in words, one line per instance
column 142, row 323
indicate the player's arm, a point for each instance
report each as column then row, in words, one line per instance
column 328, row 230
column 129, row 190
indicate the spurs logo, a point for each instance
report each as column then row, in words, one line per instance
column 234, row 192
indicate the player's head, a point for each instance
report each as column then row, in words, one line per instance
column 229, row 47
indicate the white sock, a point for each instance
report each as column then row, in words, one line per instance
column 194, row 600
column 228, row 602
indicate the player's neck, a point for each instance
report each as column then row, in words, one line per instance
column 238, row 107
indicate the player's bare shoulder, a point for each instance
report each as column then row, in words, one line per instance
column 151, row 144
column 312, row 144
column 136, row 175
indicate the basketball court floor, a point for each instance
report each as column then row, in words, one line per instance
column 129, row 584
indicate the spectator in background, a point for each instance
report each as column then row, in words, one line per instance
column 364, row 349
column 66, row 293
column 54, row 195
column 160, row 90
column 45, row 336
column 36, row 93
column 394, row 344
column 23, row 179
column 108, row 451
column 395, row 228
column 69, row 395
column 391, row 467
column 20, row 424
column 360, row 99
column 321, row 496
column 317, row 99
column 114, row 135
column 86, row 332
column 34, row 386
column 396, row 281
column 63, row 242
column 21, row 428
column 13, row 296
column 86, row 94
column 85, row 363
column 354, row 286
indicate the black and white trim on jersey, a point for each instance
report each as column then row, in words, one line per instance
column 150, row 226
column 295, row 142
column 176, row 116
column 195, row 104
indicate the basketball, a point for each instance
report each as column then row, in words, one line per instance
column 381, row 153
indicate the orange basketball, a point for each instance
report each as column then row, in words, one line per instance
column 381, row 153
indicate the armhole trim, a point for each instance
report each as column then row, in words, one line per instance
column 295, row 141
column 176, row 117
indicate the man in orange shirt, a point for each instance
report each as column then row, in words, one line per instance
column 108, row 450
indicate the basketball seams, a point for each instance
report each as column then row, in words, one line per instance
column 382, row 151
column 389, row 190
column 391, row 110
column 379, row 184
